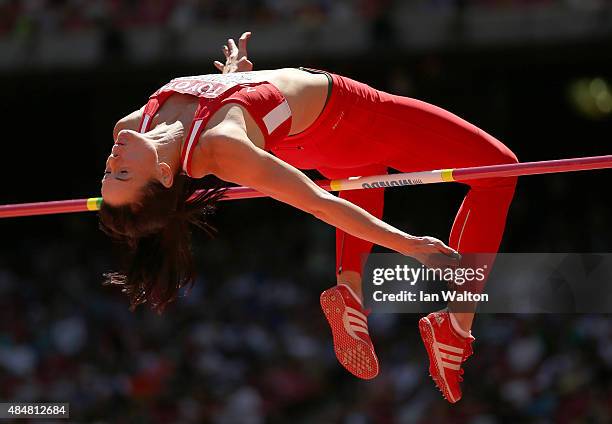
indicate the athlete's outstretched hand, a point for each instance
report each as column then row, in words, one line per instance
column 432, row 253
column 236, row 57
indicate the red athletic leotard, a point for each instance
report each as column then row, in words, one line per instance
column 265, row 104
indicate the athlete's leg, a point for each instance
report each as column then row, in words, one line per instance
column 478, row 228
column 343, row 303
column 374, row 127
column 350, row 250
column 419, row 136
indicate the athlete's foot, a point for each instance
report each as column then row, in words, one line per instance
column 349, row 325
column 447, row 350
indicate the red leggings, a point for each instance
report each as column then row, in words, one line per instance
column 363, row 131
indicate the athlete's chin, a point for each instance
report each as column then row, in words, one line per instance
column 114, row 195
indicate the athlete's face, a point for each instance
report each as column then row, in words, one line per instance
column 133, row 162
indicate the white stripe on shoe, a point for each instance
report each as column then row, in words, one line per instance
column 451, row 366
column 450, row 357
column 356, row 322
column 356, row 313
column 360, row 330
column 446, row 358
column 351, row 328
column 353, row 324
column 448, row 347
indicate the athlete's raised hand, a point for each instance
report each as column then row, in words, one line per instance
column 236, row 57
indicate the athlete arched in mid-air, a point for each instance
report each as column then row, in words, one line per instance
column 257, row 129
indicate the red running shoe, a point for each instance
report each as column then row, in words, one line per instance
column 446, row 350
column 349, row 325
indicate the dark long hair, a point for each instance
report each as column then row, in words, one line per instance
column 157, row 234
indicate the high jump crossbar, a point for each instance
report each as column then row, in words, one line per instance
column 353, row 183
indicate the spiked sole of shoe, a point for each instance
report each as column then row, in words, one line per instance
column 355, row 355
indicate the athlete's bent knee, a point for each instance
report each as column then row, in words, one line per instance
column 511, row 157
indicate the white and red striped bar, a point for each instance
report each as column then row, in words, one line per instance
column 353, row 183
column 474, row 173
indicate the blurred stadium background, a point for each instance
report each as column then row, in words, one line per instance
column 249, row 344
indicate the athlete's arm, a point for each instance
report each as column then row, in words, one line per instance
column 129, row 122
column 234, row 158
column 236, row 57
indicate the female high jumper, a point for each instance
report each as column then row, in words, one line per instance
column 257, row 129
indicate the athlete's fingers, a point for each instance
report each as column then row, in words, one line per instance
column 242, row 42
column 245, row 64
column 435, row 245
column 232, row 47
column 226, row 51
column 434, row 253
column 218, row 65
column 449, row 251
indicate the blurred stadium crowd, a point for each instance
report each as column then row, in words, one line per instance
column 253, row 347
column 53, row 16
column 87, row 33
